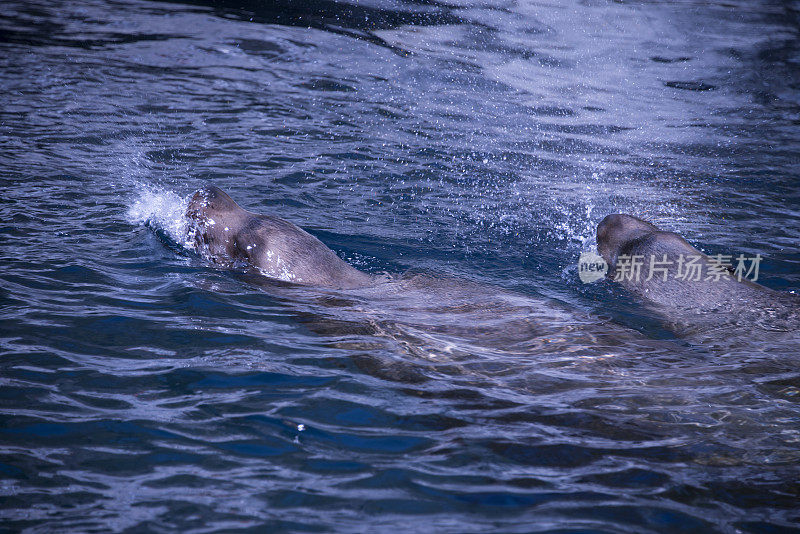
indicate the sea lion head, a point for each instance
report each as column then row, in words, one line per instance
column 617, row 232
column 214, row 219
column 230, row 236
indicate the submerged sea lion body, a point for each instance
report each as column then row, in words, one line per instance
column 227, row 234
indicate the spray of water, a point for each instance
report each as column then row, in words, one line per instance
column 164, row 211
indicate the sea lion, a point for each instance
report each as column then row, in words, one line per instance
column 693, row 291
column 670, row 271
column 227, row 234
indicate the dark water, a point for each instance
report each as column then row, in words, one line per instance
column 143, row 390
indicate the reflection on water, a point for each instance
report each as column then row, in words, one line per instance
column 477, row 144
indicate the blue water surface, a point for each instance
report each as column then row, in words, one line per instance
column 476, row 143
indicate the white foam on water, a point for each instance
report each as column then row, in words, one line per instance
column 161, row 209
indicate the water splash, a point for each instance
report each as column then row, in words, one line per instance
column 164, row 211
